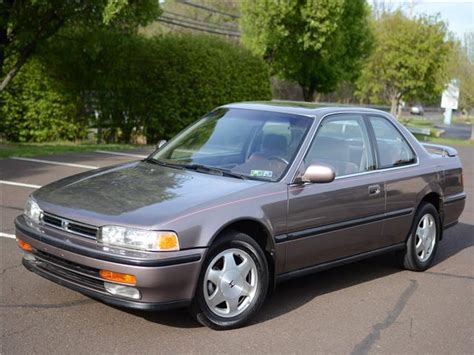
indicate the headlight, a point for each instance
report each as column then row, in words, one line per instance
column 32, row 210
column 138, row 238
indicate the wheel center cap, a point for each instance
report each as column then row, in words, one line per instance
column 230, row 284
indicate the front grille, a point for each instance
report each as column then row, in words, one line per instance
column 78, row 228
column 76, row 273
column 51, row 220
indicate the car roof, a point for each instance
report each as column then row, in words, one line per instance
column 299, row 108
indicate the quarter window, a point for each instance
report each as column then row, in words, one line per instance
column 393, row 148
column 342, row 143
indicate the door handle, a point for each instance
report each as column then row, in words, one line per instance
column 374, row 190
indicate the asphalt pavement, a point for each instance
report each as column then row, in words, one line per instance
column 456, row 130
column 367, row 307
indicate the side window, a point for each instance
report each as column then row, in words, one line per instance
column 342, row 143
column 393, row 148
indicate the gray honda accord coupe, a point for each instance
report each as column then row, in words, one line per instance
column 250, row 195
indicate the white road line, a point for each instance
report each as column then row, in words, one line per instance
column 19, row 184
column 118, row 153
column 56, row 163
column 5, row 235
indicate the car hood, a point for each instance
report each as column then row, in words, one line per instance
column 138, row 194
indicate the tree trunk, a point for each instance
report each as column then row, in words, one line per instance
column 5, row 9
column 308, row 93
column 25, row 54
column 393, row 104
column 29, row 49
column 3, row 45
column 399, row 109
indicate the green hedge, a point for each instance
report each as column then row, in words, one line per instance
column 194, row 74
column 128, row 83
column 33, row 110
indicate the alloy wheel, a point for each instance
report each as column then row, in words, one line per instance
column 230, row 283
column 425, row 237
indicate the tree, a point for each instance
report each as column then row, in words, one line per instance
column 461, row 67
column 315, row 43
column 409, row 61
column 126, row 85
column 25, row 25
column 35, row 109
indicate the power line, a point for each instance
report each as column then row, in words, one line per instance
column 208, row 9
column 202, row 23
column 182, row 23
column 189, row 25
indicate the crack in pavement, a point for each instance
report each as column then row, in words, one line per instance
column 48, row 306
column 9, row 268
column 364, row 346
column 12, row 207
column 449, row 275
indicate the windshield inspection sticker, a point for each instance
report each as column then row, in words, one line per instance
column 261, row 173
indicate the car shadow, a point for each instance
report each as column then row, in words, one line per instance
column 295, row 293
column 455, row 240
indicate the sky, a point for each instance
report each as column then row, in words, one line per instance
column 459, row 14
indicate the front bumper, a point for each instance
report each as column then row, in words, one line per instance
column 165, row 280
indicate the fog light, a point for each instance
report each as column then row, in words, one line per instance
column 29, row 257
column 24, row 245
column 118, row 277
column 121, row 290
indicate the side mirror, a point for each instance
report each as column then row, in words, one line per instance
column 161, row 143
column 317, row 174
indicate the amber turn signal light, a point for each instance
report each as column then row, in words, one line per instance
column 24, row 245
column 118, row 277
column 168, row 241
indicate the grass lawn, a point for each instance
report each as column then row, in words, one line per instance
column 444, row 141
column 32, row 149
column 416, row 122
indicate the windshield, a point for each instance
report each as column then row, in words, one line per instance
column 245, row 143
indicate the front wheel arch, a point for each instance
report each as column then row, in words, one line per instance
column 257, row 231
column 199, row 307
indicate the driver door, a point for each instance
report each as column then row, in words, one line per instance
column 331, row 221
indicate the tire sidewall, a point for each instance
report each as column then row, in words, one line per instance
column 424, row 209
column 201, row 310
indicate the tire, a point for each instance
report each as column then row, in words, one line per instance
column 421, row 247
column 243, row 292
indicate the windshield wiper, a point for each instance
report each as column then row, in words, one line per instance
column 213, row 169
column 162, row 163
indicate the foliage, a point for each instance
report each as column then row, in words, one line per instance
column 26, row 25
column 34, row 110
column 127, row 84
column 409, row 61
column 316, row 43
column 195, row 74
column 461, row 66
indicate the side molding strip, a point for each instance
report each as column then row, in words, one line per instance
column 455, row 198
column 312, row 232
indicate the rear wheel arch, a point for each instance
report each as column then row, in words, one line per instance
column 408, row 257
column 435, row 199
